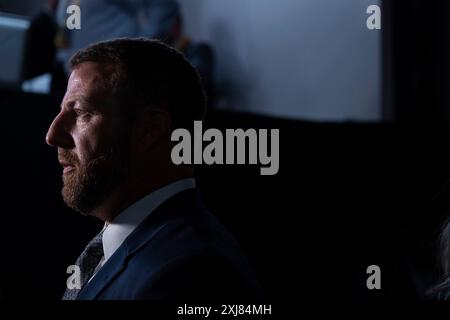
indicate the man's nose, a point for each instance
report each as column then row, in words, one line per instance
column 58, row 134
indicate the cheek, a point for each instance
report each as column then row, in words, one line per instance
column 85, row 147
column 92, row 141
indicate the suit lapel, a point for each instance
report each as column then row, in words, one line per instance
column 144, row 233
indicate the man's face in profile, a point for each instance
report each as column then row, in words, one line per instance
column 93, row 146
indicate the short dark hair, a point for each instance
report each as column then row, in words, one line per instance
column 147, row 72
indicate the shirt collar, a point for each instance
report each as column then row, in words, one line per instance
column 124, row 224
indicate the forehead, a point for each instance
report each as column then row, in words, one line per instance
column 87, row 81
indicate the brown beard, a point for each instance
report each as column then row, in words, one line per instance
column 87, row 186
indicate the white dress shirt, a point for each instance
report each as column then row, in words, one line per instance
column 125, row 223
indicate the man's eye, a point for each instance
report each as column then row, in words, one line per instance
column 80, row 112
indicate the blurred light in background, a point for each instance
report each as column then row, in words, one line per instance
column 307, row 59
column 303, row 59
column 13, row 31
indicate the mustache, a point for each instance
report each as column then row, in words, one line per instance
column 67, row 156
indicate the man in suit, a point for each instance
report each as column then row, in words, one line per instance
column 124, row 98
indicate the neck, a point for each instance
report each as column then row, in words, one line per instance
column 133, row 190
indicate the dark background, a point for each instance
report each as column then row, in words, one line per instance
column 347, row 195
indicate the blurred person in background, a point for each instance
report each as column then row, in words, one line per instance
column 108, row 19
column 199, row 54
column 51, row 44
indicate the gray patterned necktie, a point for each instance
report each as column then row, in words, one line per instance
column 87, row 261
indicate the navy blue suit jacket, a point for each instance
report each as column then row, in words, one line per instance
column 180, row 252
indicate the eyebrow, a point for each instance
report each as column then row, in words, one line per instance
column 72, row 102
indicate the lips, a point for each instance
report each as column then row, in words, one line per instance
column 67, row 167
